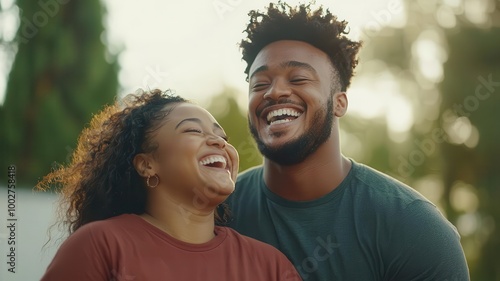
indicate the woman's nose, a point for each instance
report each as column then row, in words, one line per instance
column 216, row 140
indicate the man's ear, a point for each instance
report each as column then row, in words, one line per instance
column 340, row 103
column 143, row 164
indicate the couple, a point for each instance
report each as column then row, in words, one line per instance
column 146, row 186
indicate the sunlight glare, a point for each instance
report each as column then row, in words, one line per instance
column 463, row 197
column 430, row 55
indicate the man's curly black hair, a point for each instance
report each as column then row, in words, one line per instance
column 319, row 28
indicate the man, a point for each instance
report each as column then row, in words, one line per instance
column 335, row 219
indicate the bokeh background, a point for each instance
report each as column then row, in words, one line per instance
column 424, row 106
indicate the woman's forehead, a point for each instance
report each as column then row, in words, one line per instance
column 189, row 111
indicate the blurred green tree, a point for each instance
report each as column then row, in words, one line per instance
column 61, row 74
column 471, row 103
column 446, row 64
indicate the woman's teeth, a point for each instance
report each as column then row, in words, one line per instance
column 214, row 161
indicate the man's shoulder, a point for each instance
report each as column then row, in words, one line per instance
column 383, row 190
column 371, row 176
column 376, row 180
column 398, row 205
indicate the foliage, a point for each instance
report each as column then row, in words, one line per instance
column 225, row 109
column 472, row 166
column 451, row 151
column 61, row 75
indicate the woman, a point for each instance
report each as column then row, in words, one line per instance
column 143, row 193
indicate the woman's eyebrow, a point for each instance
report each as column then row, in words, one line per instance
column 216, row 125
column 197, row 120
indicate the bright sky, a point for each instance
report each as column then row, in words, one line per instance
column 191, row 47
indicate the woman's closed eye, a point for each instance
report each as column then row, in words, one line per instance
column 193, row 130
column 199, row 131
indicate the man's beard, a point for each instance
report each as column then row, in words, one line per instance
column 297, row 150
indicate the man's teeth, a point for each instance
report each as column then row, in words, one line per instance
column 213, row 159
column 282, row 112
column 280, row 121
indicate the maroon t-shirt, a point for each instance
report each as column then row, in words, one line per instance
column 128, row 248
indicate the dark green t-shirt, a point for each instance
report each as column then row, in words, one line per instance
column 371, row 227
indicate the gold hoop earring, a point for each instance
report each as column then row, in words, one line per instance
column 157, row 181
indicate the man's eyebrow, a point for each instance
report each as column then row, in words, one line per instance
column 286, row 64
column 197, row 120
column 298, row 64
column 259, row 69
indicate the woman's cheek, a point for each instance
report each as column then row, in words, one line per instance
column 235, row 160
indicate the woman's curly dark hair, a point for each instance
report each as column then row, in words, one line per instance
column 101, row 181
column 318, row 28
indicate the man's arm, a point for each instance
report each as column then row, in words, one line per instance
column 425, row 246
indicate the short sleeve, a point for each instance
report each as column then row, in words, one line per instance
column 424, row 246
column 79, row 258
column 287, row 270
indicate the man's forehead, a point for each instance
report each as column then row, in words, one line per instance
column 289, row 53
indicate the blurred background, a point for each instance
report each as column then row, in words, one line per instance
column 424, row 105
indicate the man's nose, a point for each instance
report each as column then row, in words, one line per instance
column 278, row 89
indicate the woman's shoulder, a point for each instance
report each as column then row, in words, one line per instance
column 250, row 244
column 262, row 256
column 100, row 236
column 105, row 229
column 117, row 222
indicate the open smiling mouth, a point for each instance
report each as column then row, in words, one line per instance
column 282, row 115
column 214, row 161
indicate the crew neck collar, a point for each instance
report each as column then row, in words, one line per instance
column 220, row 236
column 309, row 203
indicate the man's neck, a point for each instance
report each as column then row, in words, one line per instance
column 319, row 174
